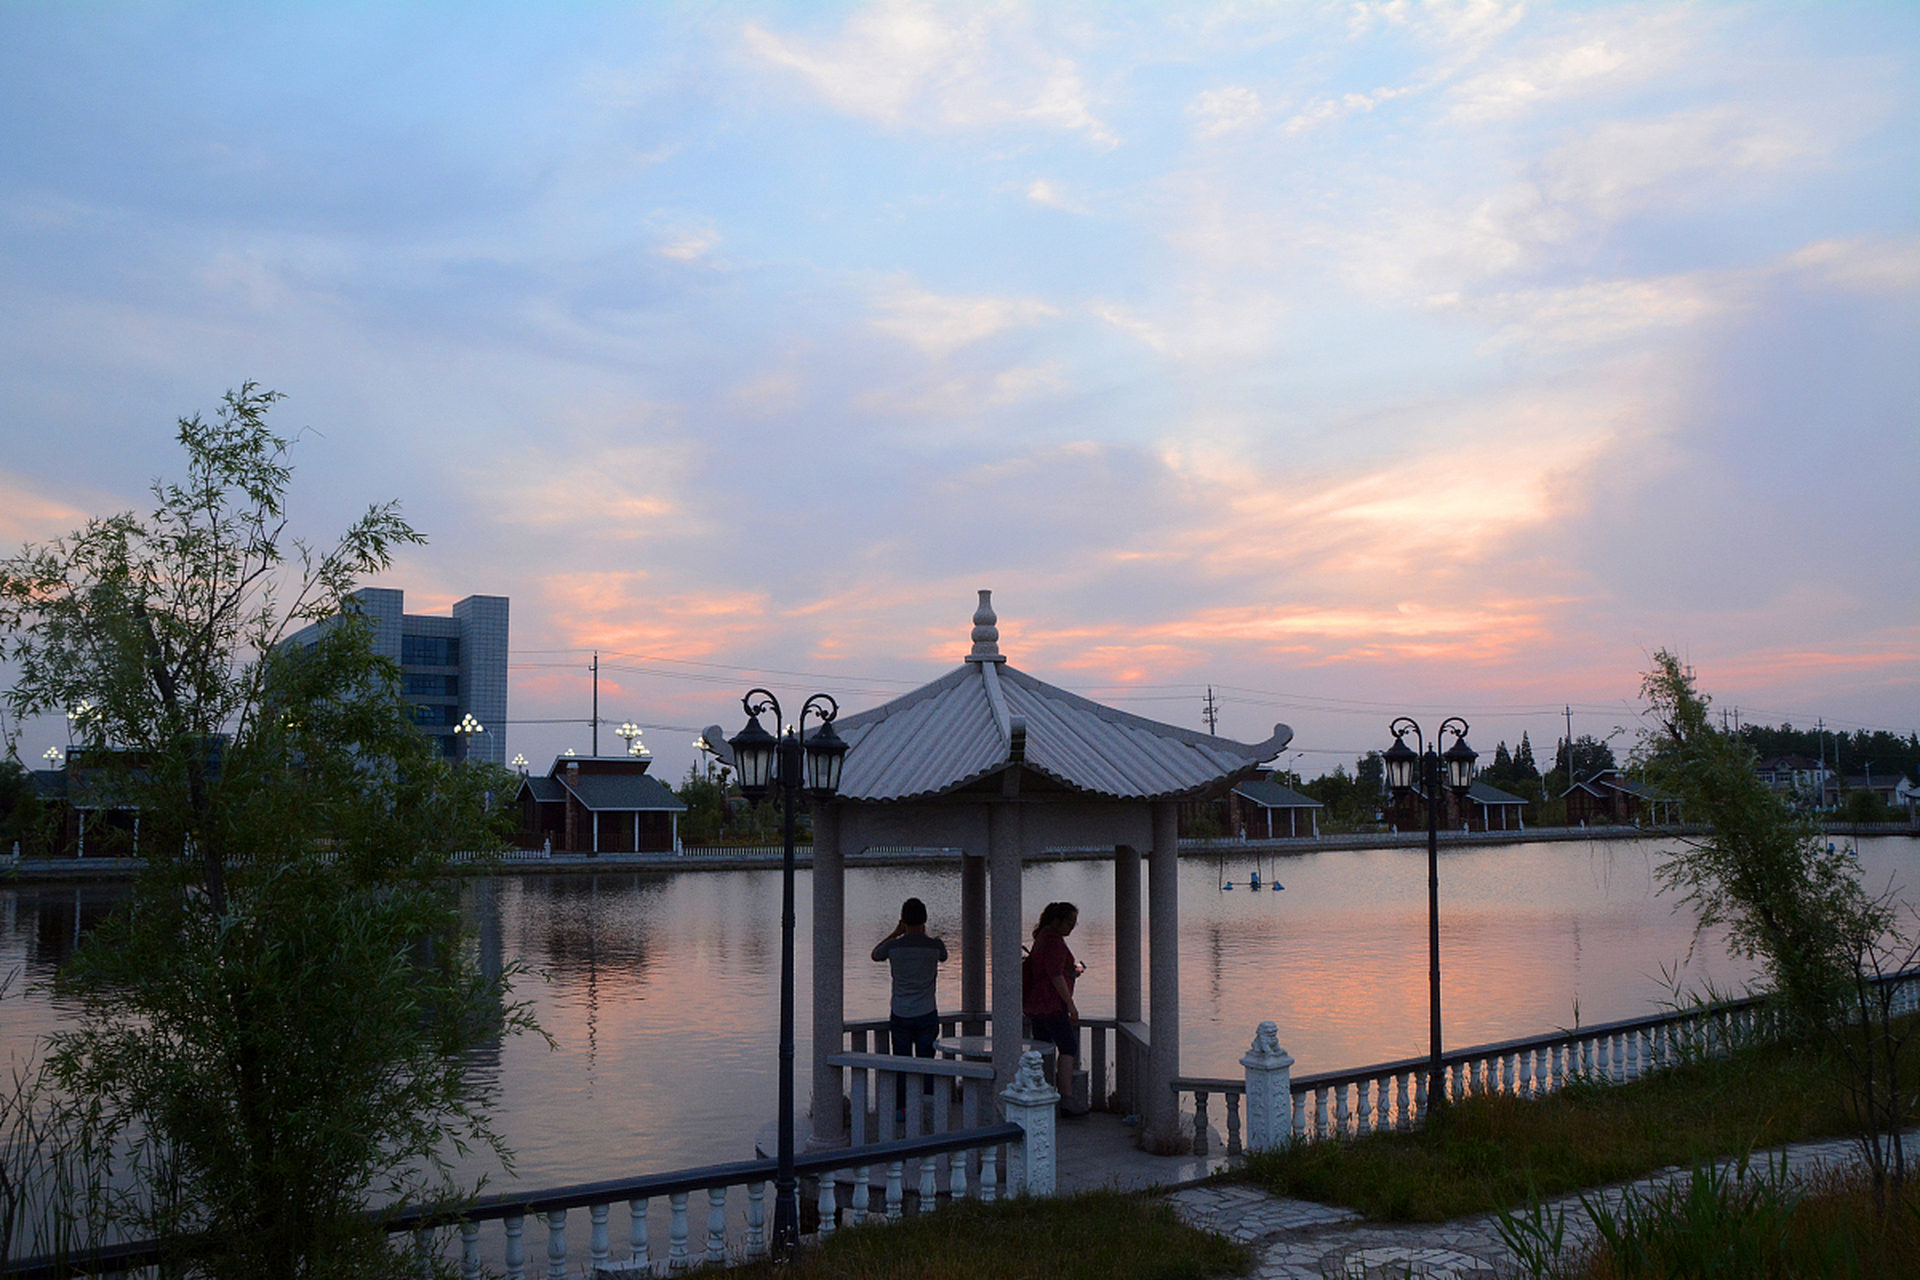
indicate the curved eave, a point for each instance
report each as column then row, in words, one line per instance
column 947, row 736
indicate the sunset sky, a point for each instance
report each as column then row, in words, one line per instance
column 1355, row 359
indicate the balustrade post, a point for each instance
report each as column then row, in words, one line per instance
column 1420, row 1095
column 1234, row 1146
column 1507, row 1072
column 829, row 1207
column 716, row 1224
column 1342, row 1116
column 677, row 1257
column 989, row 1174
column 516, row 1248
column 929, row 1188
column 556, row 1244
column 1300, row 1117
column 1362, row 1108
column 1030, row 1103
column 469, row 1251
column 896, row 1197
column 1320, row 1113
column 599, row 1247
column 1404, row 1120
column 1200, row 1122
column 757, row 1219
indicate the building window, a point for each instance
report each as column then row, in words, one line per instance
column 436, row 715
column 422, row 686
column 430, row 651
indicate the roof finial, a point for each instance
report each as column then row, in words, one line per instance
column 986, row 635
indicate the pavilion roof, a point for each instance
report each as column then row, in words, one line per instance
column 985, row 716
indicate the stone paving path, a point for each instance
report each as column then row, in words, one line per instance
column 1298, row 1240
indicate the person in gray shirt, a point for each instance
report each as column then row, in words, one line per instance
column 913, row 1020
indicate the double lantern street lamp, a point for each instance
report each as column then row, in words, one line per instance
column 1458, row 761
column 762, row 762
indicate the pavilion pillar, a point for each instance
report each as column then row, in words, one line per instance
column 829, row 978
column 973, row 937
column 1126, row 963
column 1158, row 1108
column 1004, row 864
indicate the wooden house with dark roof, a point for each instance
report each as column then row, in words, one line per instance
column 1491, row 809
column 599, row 804
column 1610, row 797
column 1262, row 809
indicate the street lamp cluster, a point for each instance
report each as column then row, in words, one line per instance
column 1458, row 763
column 635, row 748
column 763, row 762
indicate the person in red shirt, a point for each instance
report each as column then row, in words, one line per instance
column 1048, row 977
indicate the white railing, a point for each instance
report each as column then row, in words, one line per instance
column 534, row 1226
column 1392, row 1096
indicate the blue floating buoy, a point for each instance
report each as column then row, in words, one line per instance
column 1277, row 886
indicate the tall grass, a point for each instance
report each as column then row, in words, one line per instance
column 1723, row 1220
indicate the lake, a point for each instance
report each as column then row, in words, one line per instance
column 661, row 989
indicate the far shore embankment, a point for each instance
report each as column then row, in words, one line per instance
column 517, row 862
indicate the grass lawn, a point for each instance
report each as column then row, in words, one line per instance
column 1095, row 1236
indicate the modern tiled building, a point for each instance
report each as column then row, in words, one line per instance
column 452, row 666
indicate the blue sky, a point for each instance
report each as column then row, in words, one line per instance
column 1353, row 358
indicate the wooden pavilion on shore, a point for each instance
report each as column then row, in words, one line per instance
column 1003, row 766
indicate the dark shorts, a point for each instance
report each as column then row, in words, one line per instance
column 1059, row 1030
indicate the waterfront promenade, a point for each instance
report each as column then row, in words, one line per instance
column 519, row 862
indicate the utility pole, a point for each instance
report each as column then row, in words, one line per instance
column 1820, row 729
column 1212, row 713
column 1569, row 714
column 596, row 702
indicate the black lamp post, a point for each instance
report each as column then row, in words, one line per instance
column 764, row 761
column 1400, row 761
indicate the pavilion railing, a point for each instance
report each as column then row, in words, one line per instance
column 1104, row 1041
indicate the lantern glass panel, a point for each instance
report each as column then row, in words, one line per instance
column 1460, row 758
column 1399, row 761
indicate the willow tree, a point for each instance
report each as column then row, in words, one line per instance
column 1794, row 902
column 272, row 1027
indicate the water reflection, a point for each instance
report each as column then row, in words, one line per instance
column 660, row 990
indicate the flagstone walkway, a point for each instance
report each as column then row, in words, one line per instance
column 1298, row 1240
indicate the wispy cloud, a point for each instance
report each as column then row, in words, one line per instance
column 940, row 325
column 918, row 66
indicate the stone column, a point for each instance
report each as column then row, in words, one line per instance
column 973, row 935
column 1269, row 1091
column 829, row 978
column 1126, row 965
column 1003, row 844
column 1031, row 1103
column 1161, row 1131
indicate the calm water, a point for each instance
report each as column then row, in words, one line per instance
column 661, row 989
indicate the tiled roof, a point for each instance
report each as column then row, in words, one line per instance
column 1271, row 795
column 1481, row 793
column 985, row 715
column 605, row 793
